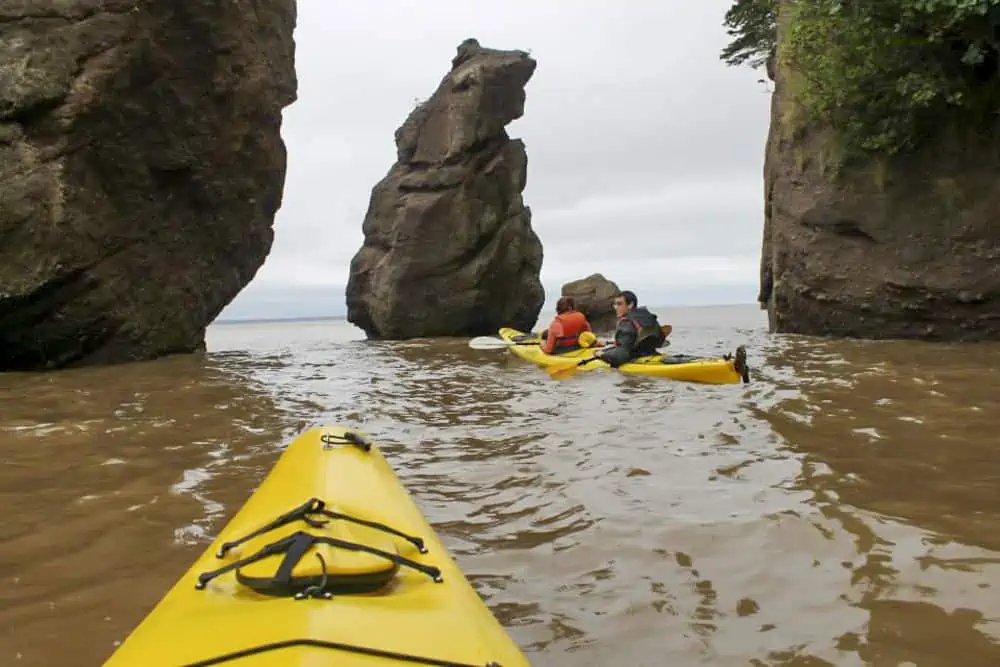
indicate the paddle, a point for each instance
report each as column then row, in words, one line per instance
column 561, row 372
column 492, row 343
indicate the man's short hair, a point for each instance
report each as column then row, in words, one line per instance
column 629, row 296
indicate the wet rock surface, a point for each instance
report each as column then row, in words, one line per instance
column 141, row 166
column 448, row 248
column 902, row 248
column 593, row 295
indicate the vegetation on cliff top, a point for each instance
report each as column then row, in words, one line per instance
column 752, row 25
column 883, row 74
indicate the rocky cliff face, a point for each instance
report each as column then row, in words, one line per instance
column 448, row 245
column 593, row 295
column 908, row 248
column 141, row 165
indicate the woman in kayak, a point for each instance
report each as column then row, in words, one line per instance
column 564, row 332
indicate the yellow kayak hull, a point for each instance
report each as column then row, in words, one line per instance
column 414, row 616
column 706, row 370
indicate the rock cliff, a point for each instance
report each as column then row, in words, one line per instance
column 141, row 166
column 900, row 248
column 448, row 245
column 593, row 296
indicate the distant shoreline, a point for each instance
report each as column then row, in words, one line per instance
column 330, row 318
column 265, row 320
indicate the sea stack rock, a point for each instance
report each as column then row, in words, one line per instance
column 448, row 245
column 906, row 247
column 593, row 296
column 141, row 166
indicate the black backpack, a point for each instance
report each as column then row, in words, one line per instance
column 648, row 337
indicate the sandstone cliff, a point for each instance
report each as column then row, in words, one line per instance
column 902, row 248
column 593, row 295
column 141, row 166
column 448, row 245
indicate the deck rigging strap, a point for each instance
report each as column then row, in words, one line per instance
column 347, row 438
column 295, row 547
column 317, row 506
column 335, row 646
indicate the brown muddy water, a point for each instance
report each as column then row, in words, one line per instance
column 842, row 509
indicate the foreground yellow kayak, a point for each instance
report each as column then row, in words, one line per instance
column 731, row 369
column 329, row 562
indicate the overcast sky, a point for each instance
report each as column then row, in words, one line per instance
column 645, row 152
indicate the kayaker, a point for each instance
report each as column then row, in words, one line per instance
column 638, row 332
column 564, row 332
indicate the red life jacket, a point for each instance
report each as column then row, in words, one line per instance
column 574, row 324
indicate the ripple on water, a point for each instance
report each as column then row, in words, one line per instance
column 192, row 483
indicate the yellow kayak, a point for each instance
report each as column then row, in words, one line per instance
column 329, row 562
column 730, row 369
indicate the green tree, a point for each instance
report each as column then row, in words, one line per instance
column 751, row 24
column 885, row 75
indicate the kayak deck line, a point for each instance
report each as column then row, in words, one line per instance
column 294, row 547
column 335, row 646
column 346, row 438
column 317, row 506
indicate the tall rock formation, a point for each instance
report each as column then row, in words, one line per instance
column 448, row 245
column 593, row 296
column 141, row 166
column 907, row 248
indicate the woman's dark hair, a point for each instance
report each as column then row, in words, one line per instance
column 565, row 304
column 629, row 296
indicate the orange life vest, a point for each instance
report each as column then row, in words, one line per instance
column 574, row 324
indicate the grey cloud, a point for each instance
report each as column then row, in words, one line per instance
column 681, row 219
column 644, row 151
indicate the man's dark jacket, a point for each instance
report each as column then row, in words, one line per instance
column 638, row 333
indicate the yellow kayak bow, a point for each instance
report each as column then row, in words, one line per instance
column 329, row 562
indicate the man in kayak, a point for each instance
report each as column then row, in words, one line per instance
column 638, row 332
column 564, row 332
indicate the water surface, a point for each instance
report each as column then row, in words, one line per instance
column 839, row 510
